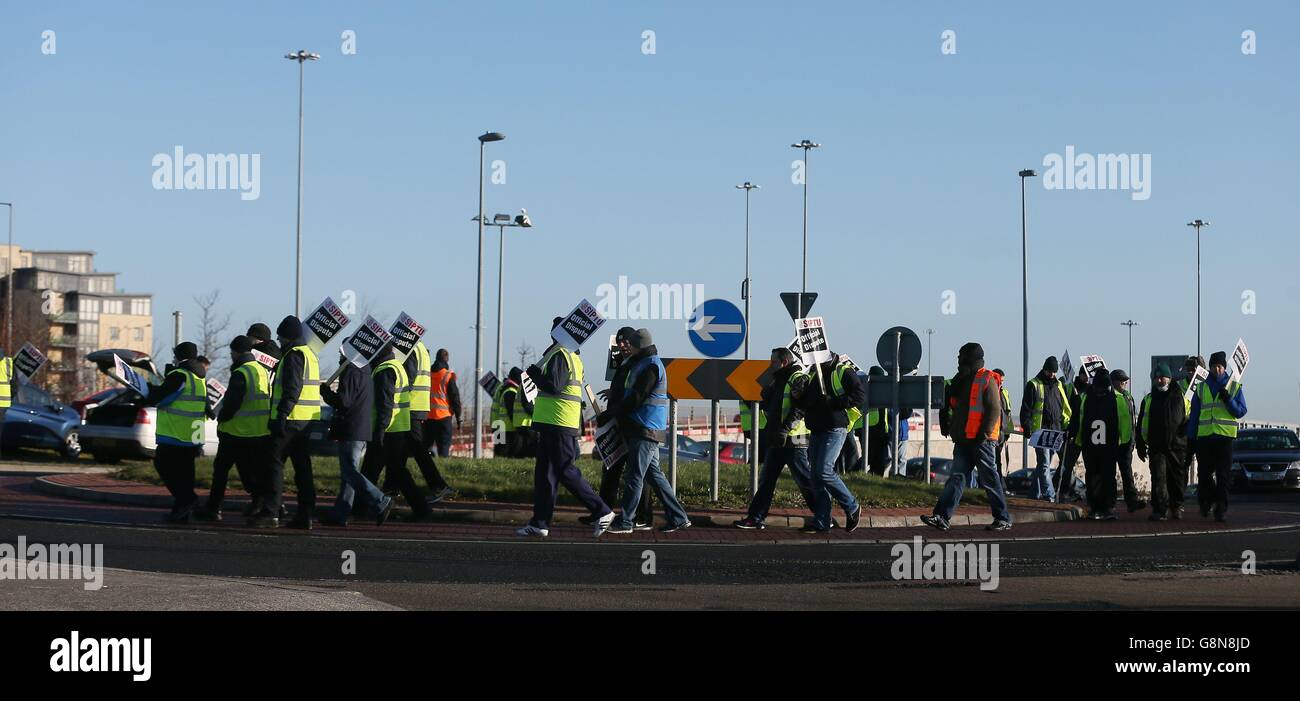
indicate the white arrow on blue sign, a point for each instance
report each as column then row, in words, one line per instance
column 716, row 328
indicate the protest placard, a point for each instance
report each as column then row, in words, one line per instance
column 811, row 336
column 406, row 331
column 580, row 325
column 323, row 324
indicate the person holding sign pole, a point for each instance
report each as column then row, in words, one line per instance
column 418, row 367
column 243, row 437
column 642, row 416
column 519, row 418
column 390, row 432
column 1211, row 427
column 351, row 426
column 182, row 401
column 611, row 478
column 784, row 441
column 557, row 419
column 831, row 406
column 1044, row 406
column 1119, row 381
column 973, row 408
column 1065, row 487
column 295, row 402
column 1162, row 443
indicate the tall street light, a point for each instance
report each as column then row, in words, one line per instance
column 1130, row 324
column 744, row 288
column 807, row 146
column 301, row 57
column 501, row 221
column 9, row 283
column 483, row 140
column 1198, row 223
column 1024, row 284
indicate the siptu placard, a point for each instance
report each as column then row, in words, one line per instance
column 128, row 376
column 489, row 383
column 28, row 361
column 611, row 359
column 216, row 391
column 323, row 324
column 1239, row 360
column 1199, row 376
column 1091, row 364
column 1048, row 439
column 406, row 331
column 267, row 361
column 529, row 387
column 362, row 346
column 580, row 325
column 813, row 346
column 610, row 445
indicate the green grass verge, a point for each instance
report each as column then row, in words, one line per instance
column 511, row 480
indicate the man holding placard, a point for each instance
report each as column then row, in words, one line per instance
column 391, row 430
column 295, row 402
column 1162, row 443
column 1044, row 405
column 831, row 406
column 1211, row 427
column 182, row 402
column 557, row 419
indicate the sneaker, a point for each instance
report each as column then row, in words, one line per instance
column 749, row 524
column 998, row 525
column 384, row 511
column 1176, row 513
column 643, row 526
column 444, row 493
column 263, row 519
column 1137, row 505
column 602, row 524
column 935, row 521
column 673, row 528
column 1205, row 512
column 619, row 526
column 300, row 522
column 851, row 520
column 206, row 514
column 530, row 529
column 810, row 529
column 182, row 516
column 1109, row 516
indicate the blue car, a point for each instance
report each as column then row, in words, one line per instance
column 36, row 420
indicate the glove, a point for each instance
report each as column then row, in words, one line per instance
column 534, row 371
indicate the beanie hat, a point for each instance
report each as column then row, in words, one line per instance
column 259, row 331
column 186, row 351
column 241, row 344
column 970, row 351
column 1219, row 358
column 290, row 327
column 1051, row 364
column 642, row 339
column 1162, row 370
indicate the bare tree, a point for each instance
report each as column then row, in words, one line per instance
column 525, row 352
column 213, row 328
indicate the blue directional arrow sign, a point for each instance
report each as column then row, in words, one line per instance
column 716, row 328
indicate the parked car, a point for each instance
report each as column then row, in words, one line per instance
column 123, row 426
column 1021, row 482
column 1266, row 457
column 36, row 420
column 940, row 468
column 730, row 452
column 687, row 449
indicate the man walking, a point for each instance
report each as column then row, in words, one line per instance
column 444, row 406
column 1162, row 443
column 351, row 425
column 1211, row 427
column 1119, row 381
column 829, row 411
column 557, row 419
column 973, row 402
column 642, row 416
column 182, row 401
column 8, row 385
column 295, row 402
column 785, row 439
column 390, row 432
column 418, row 370
column 1044, row 406
column 243, row 435
column 1101, row 427
column 611, row 478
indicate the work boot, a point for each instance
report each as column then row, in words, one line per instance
column 203, row 513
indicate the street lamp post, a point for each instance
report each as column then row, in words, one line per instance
column 807, row 146
column 929, row 333
column 483, row 141
column 1130, row 324
column 1024, row 284
column 1198, row 223
column 301, row 57
column 9, row 283
column 752, row 454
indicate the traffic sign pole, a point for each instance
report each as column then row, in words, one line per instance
column 713, row 458
column 672, row 443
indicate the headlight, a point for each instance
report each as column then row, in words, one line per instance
column 1293, row 467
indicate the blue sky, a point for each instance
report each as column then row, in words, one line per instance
column 627, row 163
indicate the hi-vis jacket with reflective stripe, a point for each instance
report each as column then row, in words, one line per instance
column 420, row 379
column 399, row 421
column 1212, row 415
column 563, row 408
column 183, row 418
column 6, row 379
column 250, row 421
column 306, row 406
column 1124, row 419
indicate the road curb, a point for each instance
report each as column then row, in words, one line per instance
column 520, row 516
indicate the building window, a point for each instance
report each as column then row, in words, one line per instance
column 114, row 333
column 138, row 334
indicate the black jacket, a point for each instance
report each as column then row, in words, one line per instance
column 352, row 403
column 772, row 398
column 1053, row 410
column 1099, row 407
column 234, row 398
column 640, row 394
column 1166, row 424
column 174, row 382
column 824, row 411
column 288, row 374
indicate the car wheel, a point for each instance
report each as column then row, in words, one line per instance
column 71, row 448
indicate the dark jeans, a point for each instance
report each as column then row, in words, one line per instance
column 392, row 456
column 1168, row 479
column 980, row 458
column 1065, row 472
column 247, row 456
column 423, row 458
column 877, row 453
column 1126, row 474
column 1213, row 472
column 175, row 465
column 292, row 444
column 1099, row 473
column 774, row 462
column 439, row 432
column 556, row 455
column 609, row 483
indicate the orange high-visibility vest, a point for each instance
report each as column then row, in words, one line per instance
column 975, row 414
column 439, row 408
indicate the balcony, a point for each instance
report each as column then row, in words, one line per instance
column 67, row 340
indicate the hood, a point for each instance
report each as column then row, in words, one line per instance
column 270, row 348
column 439, row 365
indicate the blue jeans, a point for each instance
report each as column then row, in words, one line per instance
column 823, row 448
column 351, row 453
column 773, row 463
column 643, row 466
column 1043, row 487
column 982, row 458
column 900, row 460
